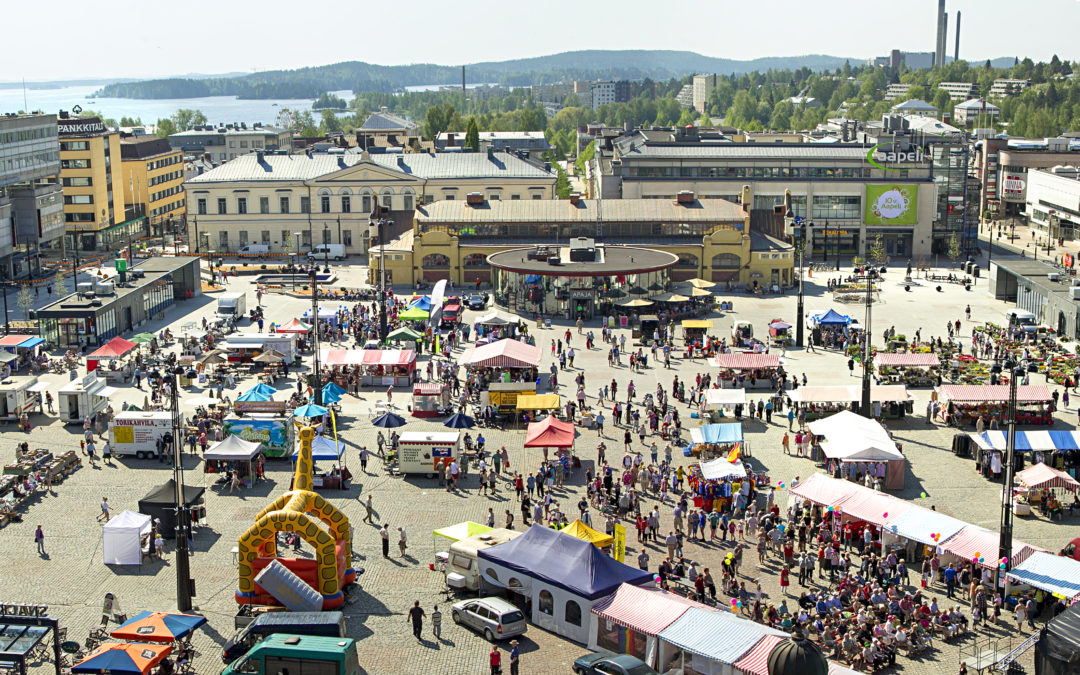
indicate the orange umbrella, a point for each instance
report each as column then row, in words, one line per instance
column 121, row 657
column 158, row 627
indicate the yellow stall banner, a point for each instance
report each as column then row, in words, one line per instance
column 619, row 549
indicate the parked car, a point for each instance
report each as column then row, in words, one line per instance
column 496, row 618
column 477, row 301
column 611, row 664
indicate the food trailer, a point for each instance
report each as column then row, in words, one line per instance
column 695, row 332
column 428, row 398
column 742, row 333
column 423, row 451
column 504, row 395
column 643, row 330
column 137, row 433
column 83, row 398
column 243, row 347
column 20, row 395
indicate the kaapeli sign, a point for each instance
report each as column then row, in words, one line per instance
column 881, row 158
column 891, row 205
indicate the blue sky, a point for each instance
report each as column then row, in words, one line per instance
column 69, row 39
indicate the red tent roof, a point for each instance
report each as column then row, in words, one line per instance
column 294, row 326
column 506, row 353
column 908, row 360
column 550, row 433
column 756, row 661
column 974, row 539
column 113, row 349
column 646, row 610
column 977, row 393
column 745, row 361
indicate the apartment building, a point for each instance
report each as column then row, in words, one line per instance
column 897, row 90
column 1004, row 87
column 153, row 181
column 703, row 86
column 960, row 91
column 31, row 204
column 607, row 91
column 976, row 111
column 229, row 141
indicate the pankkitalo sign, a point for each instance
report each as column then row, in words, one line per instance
column 891, row 205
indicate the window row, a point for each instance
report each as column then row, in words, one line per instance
column 813, row 172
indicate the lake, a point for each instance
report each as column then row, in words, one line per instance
column 224, row 109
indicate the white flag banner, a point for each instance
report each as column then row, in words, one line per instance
column 437, row 294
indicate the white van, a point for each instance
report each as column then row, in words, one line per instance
column 324, row 251
column 462, row 569
column 1024, row 320
column 254, row 249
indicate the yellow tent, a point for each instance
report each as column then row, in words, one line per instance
column 585, row 533
column 697, row 324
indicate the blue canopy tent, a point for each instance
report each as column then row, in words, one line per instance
column 310, row 410
column 263, row 388
column 564, row 576
column 833, row 318
column 423, row 302
column 1027, row 441
column 714, row 434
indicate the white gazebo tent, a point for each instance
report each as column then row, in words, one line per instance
column 233, row 450
column 121, row 538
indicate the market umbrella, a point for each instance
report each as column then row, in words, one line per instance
column 388, row 421
column 143, row 338
column 635, row 303
column 780, row 325
column 216, row 356
column 269, row 356
column 310, row 410
column 614, row 293
column 459, row 421
column 263, row 388
column 700, row 283
column 654, row 286
column 671, row 297
column 158, row 627
column 253, row 396
column 331, row 388
column 696, row 292
column 404, row 333
column 123, row 658
column 638, row 290
column 329, row 397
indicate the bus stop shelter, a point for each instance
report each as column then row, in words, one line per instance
column 20, row 636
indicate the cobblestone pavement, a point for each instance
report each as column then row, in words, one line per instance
column 72, row 580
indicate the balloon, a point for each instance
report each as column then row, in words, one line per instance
column 885, row 515
column 1004, row 560
column 739, row 603
column 1002, row 565
column 734, row 602
column 830, row 509
column 977, row 554
column 656, row 578
column 982, row 560
column 923, row 495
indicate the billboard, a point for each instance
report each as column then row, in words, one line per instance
column 273, row 433
column 891, row 205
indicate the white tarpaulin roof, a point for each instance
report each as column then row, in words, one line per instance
column 233, row 449
column 860, row 448
column 917, row 524
column 121, row 538
column 845, row 422
column 720, row 468
column 724, row 398
column 1052, row 573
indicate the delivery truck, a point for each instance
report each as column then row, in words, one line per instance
column 327, row 624
column 232, row 305
column 423, row 451
column 283, row 653
column 135, row 433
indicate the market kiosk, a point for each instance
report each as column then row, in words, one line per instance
column 964, row 404
column 429, row 398
column 232, row 453
column 912, row 370
column 696, row 334
column 423, row 451
column 890, row 401
column 716, row 440
column 742, row 370
column 83, row 398
column 644, row 328
column 326, row 449
column 719, row 400
column 21, row 395
column 377, row 367
column 780, row 333
column 243, row 347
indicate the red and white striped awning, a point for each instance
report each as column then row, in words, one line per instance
column 746, row 361
column 367, row 357
column 1042, row 476
column 427, row 388
column 977, row 393
column 907, row 360
column 756, row 661
column 506, row 353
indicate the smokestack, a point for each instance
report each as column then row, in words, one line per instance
column 944, row 38
column 463, row 75
column 939, row 45
column 956, row 54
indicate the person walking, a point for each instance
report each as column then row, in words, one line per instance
column 370, row 509
column 104, row 509
column 515, row 657
column 436, row 623
column 39, row 538
column 363, row 459
column 385, row 534
column 495, row 660
column 402, row 543
column 416, row 616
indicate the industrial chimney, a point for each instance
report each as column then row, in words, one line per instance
column 956, row 54
column 463, row 73
column 939, row 45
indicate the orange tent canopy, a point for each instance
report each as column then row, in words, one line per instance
column 550, row 433
column 121, row 657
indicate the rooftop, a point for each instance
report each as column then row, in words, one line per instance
column 1037, row 272
column 144, row 147
column 780, row 151
column 252, row 167
column 152, row 270
column 386, row 121
column 585, row 211
column 230, row 130
column 977, row 104
column 611, row 260
column 914, row 104
column 496, row 135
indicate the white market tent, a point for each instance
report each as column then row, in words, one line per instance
column 121, row 538
column 920, row 524
column 715, row 399
column 861, row 449
column 1054, row 574
column 720, row 468
column 853, row 438
column 233, row 449
column 846, row 422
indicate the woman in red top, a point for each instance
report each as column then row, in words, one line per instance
column 495, row 660
column 784, row 582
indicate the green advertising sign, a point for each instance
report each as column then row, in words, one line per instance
column 891, row 205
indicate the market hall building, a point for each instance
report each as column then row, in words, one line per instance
column 118, row 303
column 709, row 238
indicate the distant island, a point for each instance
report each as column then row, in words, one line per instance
column 360, row 77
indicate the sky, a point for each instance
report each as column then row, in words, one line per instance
column 69, row 39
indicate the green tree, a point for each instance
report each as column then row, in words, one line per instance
column 25, row 300
column 876, row 252
column 130, row 122
column 164, row 127
column 330, row 122
column 952, row 248
column 185, row 118
column 586, row 156
column 472, row 136
column 60, row 285
column 562, row 183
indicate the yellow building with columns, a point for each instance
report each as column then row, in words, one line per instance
column 712, row 238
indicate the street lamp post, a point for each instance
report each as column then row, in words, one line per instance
column 198, row 242
column 1005, row 562
column 326, row 248
column 382, row 281
column 316, row 380
column 296, row 255
column 867, row 350
column 7, row 319
column 183, row 518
